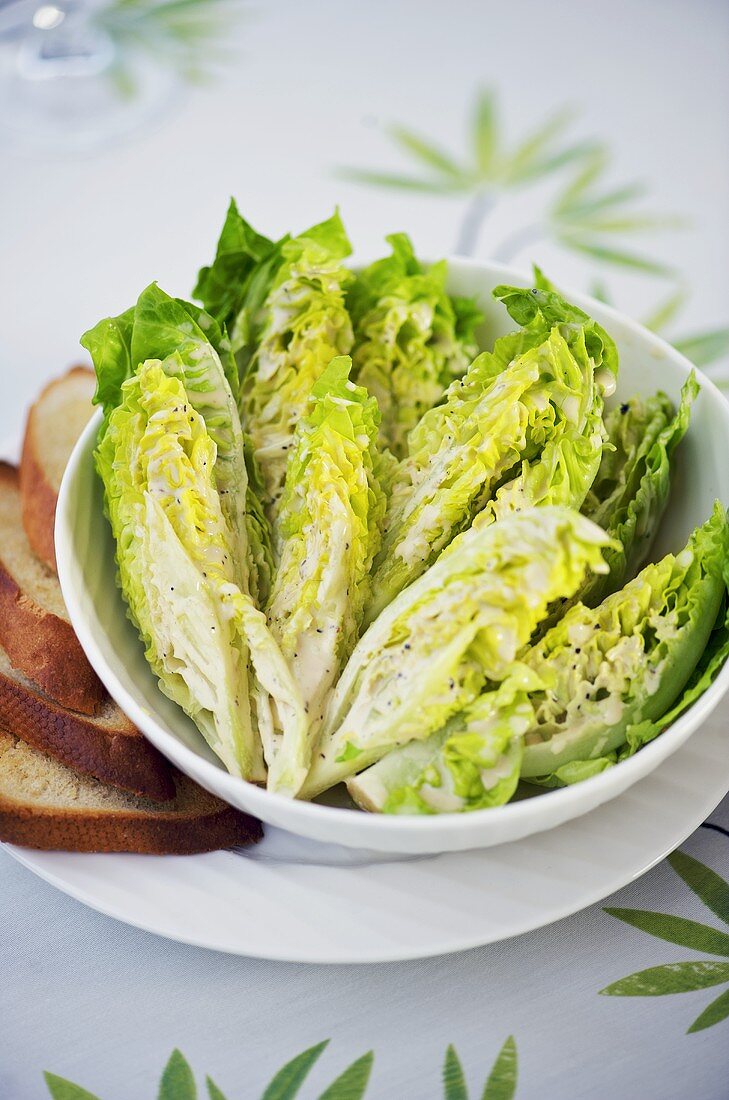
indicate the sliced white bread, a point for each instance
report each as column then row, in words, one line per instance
column 54, row 423
column 44, row 804
column 105, row 745
column 34, row 626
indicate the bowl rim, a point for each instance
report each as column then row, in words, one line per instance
column 610, row 783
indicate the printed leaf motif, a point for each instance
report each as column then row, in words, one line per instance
column 486, row 164
column 547, row 165
column 454, row 1082
column 177, row 1081
column 686, row 933
column 485, row 133
column 666, row 311
column 187, row 35
column 599, row 290
column 394, row 180
column 213, row 1091
column 351, row 1084
column 704, row 348
column 705, row 883
column 572, row 200
column 586, row 216
column 585, row 212
column 424, row 151
column 61, row 1089
column 717, row 1011
column 501, row 1083
column 526, row 157
column 615, row 256
column 289, row 1080
column 681, row 977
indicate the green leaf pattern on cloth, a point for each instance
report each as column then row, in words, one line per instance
column 684, row 977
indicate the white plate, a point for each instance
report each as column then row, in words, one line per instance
column 291, row 899
column 86, row 568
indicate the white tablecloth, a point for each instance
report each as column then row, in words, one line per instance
column 313, row 88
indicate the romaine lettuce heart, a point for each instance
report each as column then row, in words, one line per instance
column 471, row 764
column 410, row 337
column 176, row 569
column 630, row 492
column 192, row 347
column 431, row 652
column 329, row 522
column 613, row 668
column 536, row 419
column 291, row 320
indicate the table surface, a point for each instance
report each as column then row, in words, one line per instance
column 314, row 88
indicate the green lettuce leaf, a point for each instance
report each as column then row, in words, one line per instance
column 329, row 522
column 224, row 287
column 630, row 493
column 612, row 669
column 110, row 345
column 410, row 337
column 191, row 346
column 471, row 764
column 460, row 625
column 531, row 410
column 538, row 310
column 300, row 327
column 712, row 661
column 176, row 569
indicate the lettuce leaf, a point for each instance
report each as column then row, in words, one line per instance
column 630, row 493
column 538, row 309
column 191, row 346
column 329, row 521
column 471, row 764
column 612, row 669
column 304, row 326
column 110, row 345
column 460, row 625
column 224, row 286
column 410, row 337
column 176, row 569
column 529, row 410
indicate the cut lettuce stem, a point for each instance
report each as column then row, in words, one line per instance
column 530, row 411
column 434, row 648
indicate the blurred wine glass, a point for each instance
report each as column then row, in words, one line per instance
column 76, row 74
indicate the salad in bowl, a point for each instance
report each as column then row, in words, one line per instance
column 367, row 538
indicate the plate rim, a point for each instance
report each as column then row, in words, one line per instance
column 30, row 859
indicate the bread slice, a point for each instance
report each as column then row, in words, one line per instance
column 34, row 625
column 44, row 804
column 54, row 423
column 106, row 746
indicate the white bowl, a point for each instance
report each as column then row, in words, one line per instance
column 86, row 567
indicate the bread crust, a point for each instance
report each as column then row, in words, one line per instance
column 46, row 649
column 121, row 757
column 39, row 497
column 41, row 644
column 92, row 831
column 168, row 832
